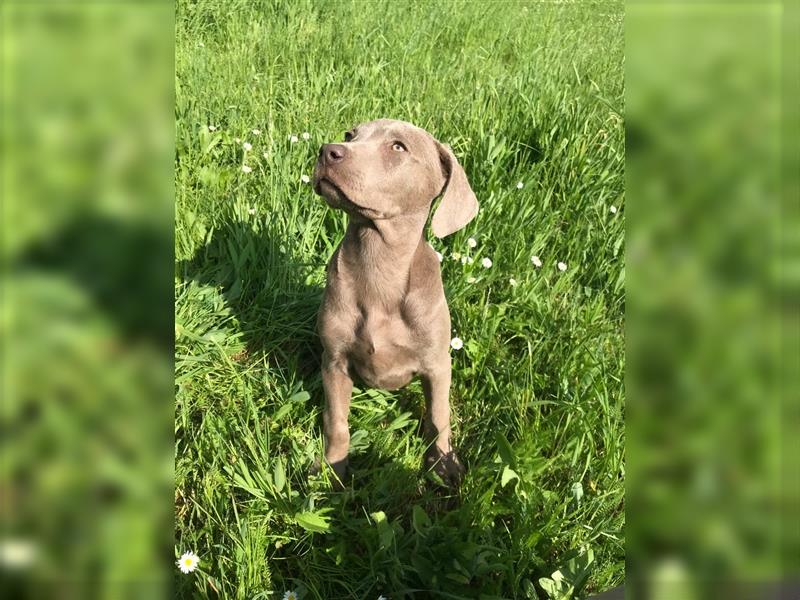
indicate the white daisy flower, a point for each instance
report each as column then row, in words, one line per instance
column 305, row 178
column 247, row 146
column 562, row 266
column 439, row 255
column 469, row 260
column 613, row 210
column 252, row 210
column 246, row 169
column 456, row 343
column 17, row 553
column 464, row 260
column 306, row 136
column 456, row 256
column 512, row 282
column 290, row 595
column 486, row 262
column 537, row 262
column 212, row 127
column 471, row 279
column 471, row 242
column 293, row 139
column 256, row 132
column 265, row 154
column 520, row 185
column 188, row 562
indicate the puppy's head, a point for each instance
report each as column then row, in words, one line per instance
column 387, row 168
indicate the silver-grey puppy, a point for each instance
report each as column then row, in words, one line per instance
column 384, row 316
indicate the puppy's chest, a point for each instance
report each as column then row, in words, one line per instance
column 384, row 350
column 381, row 332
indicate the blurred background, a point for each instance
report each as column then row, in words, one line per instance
column 87, row 408
column 713, row 276
column 712, row 346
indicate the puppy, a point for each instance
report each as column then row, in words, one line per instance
column 384, row 317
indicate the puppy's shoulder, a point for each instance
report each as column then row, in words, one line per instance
column 332, row 268
column 336, row 314
column 426, row 276
column 426, row 262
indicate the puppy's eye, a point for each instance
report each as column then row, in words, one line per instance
column 399, row 147
column 348, row 136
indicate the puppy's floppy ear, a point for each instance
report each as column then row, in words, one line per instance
column 459, row 204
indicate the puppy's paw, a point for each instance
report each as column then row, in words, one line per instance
column 338, row 478
column 446, row 465
column 338, row 472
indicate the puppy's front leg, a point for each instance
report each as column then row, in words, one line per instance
column 338, row 389
column 440, row 456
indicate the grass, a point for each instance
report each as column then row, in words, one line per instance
column 522, row 92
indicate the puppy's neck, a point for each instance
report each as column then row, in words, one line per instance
column 386, row 241
column 380, row 253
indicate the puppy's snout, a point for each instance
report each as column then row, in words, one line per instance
column 333, row 153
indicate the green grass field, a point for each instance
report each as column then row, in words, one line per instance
column 529, row 93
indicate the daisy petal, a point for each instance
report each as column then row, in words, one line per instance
column 188, row 562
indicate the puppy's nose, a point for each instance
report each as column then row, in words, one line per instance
column 333, row 153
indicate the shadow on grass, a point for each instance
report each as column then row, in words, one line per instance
column 391, row 526
column 122, row 265
column 529, row 151
column 268, row 290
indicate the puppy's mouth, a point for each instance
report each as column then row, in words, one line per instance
column 326, row 188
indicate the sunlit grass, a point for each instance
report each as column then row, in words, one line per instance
column 524, row 93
